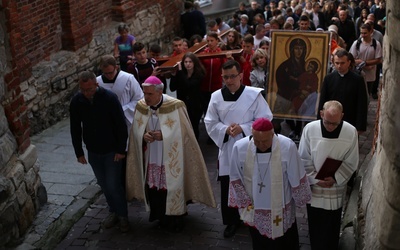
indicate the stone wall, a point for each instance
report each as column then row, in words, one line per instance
column 20, row 183
column 379, row 211
column 43, row 47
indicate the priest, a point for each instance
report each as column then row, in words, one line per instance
column 165, row 167
column 232, row 110
column 329, row 137
column 267, row 181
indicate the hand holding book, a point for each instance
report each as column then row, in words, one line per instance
column 328, row 169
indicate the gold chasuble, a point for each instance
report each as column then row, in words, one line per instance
column 185, row 169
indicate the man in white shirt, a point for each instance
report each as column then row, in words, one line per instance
column 369, row 51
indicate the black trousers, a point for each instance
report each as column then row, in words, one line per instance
column 195, row 111
column 324, row 228
column 289, row 241
column 230, row 215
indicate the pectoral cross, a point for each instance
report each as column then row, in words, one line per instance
column 261, row 185
column 277, row 220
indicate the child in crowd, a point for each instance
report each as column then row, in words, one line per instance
column 245, row 59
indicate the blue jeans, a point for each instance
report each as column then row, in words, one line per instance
column 109, row 175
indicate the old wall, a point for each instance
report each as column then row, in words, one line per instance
column 43, row 47
column 380, row 203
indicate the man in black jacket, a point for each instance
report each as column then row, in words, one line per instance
column 348, row 88
column 96, row 117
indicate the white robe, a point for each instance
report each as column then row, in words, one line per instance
column 314, row 149
column 221, row 114
column 128, row 91
column 296, row 189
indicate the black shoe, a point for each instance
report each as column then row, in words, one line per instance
column 230, row 230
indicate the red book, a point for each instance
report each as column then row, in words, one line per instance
column 328, row 169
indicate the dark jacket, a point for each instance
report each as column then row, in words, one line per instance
column 321, row 19
column 100, row 123
column 351, row 92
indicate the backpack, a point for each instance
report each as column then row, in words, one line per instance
column 358, row 68
column 359, row 42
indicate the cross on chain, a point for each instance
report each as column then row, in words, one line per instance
column 261, row 185
column 277, row 220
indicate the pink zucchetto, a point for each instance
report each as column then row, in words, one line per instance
column 262, row 124
column 153, row 80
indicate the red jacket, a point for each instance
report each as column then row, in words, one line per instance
column 246, row 68
column 213, row 80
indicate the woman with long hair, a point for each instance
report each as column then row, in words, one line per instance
column 360, row 20
column 233, row 40
column 329, row 11
column 186, row 82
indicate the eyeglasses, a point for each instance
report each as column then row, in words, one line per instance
column 327, row 123
column 226, row 77
column 109, row 73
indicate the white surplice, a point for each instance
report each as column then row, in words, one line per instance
column 295, row 190
column 314, row 149
column 221, row 114
column 128, row 91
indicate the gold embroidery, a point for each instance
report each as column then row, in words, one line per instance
column 142, row 107
column 170, row 105
column 169, row 122
column 176, row 204
column 173, row 165
column 140, row 121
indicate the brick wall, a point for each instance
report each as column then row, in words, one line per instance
column 39, row 29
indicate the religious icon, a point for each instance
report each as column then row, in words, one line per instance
column 298, row 65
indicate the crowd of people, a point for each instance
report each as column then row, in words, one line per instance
column 143, row 144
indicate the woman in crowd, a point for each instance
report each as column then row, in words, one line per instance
column 264, row 45
column 123, row 46
column 329, row 11
column 360, row 20
column 186, row 82
column 259, row 74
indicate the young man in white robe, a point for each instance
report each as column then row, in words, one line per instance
column 230, row 114
column 165, row 166
column 333, row 138
column 267, row 182
column 123, row 84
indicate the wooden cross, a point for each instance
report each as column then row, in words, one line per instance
column 261, row 185
column 277, row 220
column 170, row 63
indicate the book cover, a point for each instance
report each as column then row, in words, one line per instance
column 328, row 169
